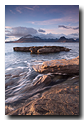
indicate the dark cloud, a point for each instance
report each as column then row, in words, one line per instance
column 21, row 31
column 17, row 32
column 63, row 26
column 76, row 28
column 74, row 34
column 40, row 30
column 67, row 27
column 7, row 31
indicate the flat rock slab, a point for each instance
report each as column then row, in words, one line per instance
column 21, row 49
column 41, row 49
column 62, row 66
column 59, row 100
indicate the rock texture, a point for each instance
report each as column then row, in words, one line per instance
column 51, row 94
column 60, row 99
column 22, row 49
column 45, row 79
column 41, row 49
column 62, row 66
column 34, row 49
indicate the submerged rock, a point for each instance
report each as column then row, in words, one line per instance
column 41, row 49
column 62, row 66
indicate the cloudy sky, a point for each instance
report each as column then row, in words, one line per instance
column 46, row 21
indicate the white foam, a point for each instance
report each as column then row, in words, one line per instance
column 73, row 78
column 38, row 61
column 21, row 67
column 25, row 61
column 68, row 57
column 22, row 73
column 34, row 80
column 9, row 68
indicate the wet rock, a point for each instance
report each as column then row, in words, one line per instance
column 45, row 79
column 34, row 49
column 60, row 99
column 59, row 66
column 22, row 49
column 41, row 49
column 47, row 50
column 51, row 49
column 44, row 98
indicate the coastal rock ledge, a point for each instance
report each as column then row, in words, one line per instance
column 41, row 49
column 60, row 99
column 62, row 66
column 52, row 94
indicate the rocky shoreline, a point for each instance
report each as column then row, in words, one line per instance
column 62, row 66
column 55, row 93
column 41, row 49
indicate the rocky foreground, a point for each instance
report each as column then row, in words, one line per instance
column 41, row 49
column 53, row 94
column 62, row 66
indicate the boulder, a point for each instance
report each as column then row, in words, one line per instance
column 62, row 66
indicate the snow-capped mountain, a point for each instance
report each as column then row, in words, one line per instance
column 31, row 38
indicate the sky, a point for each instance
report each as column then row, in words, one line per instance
column 45, row 21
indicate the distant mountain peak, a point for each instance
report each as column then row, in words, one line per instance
column 28, row 36
column 62, row 37
column 31, row 38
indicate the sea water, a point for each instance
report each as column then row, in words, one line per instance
column 19, row 74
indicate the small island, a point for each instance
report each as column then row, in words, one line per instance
column 41, row 49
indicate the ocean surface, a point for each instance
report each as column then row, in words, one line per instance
column 19, row 74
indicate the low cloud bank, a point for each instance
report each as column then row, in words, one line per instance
column 14, row 33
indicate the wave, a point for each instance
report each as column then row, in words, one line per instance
column 18, row 65
column 12, row 99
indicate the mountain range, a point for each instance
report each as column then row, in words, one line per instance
column 30, row 38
